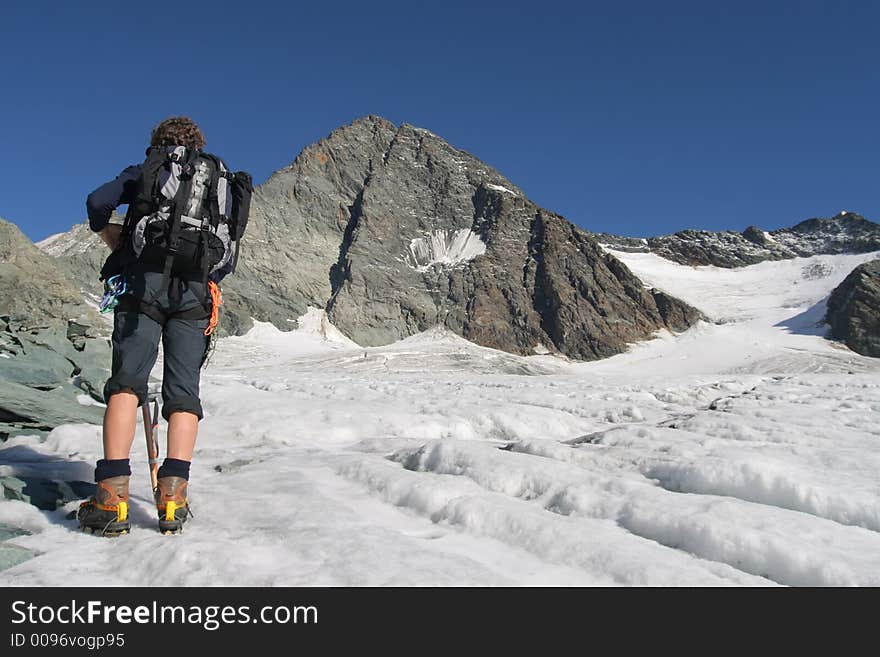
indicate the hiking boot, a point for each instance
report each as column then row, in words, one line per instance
column 106, row 513
column 171, row 504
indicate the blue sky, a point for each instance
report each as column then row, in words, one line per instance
column 639, row 118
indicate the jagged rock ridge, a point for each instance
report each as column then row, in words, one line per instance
column 847, row 232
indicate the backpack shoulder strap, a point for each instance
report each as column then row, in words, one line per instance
column 218, row 189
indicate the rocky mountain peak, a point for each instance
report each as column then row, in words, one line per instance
column 437, row 237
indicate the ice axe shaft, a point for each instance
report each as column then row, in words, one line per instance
column 151, row 430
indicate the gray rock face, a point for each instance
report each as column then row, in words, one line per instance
column 436, row 237
column 31, row 284
column 854, row 310
column 846, row 233
column 298, row 221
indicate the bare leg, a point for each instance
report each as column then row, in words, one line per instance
column 120, row 420
column 182, row 430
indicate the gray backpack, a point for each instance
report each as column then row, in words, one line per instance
column 189, row 213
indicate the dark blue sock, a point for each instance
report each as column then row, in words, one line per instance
column 174, row 468
column 105, row 469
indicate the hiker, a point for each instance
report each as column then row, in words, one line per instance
column 186, row 215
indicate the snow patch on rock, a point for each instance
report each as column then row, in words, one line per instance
column 315, row 322
column 501, row 188
column 73, row 242
column 444, row 248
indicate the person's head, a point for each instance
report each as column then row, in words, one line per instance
column 177, row 131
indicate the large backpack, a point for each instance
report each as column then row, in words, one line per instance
column 189, row 213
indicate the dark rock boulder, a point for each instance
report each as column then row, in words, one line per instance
column 854, row 310
column 45, row 380
column 756, row 236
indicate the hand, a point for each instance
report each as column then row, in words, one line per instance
column 111, row 235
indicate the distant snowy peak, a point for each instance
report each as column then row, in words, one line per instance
column 847, row 232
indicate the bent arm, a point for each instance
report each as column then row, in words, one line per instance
column 109, row 196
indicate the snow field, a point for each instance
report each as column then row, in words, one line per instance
column 739, row 453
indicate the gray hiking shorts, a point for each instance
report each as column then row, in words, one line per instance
column 136, row 338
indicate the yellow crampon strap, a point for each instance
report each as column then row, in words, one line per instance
column 216, row 302
column 121, row 511
column 170, row 508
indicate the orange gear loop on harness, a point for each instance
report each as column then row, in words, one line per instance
column 216, row 302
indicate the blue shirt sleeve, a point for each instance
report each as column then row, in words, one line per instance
column 109, row 196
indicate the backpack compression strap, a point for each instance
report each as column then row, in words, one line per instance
column 148, row 196
column 215, row 211
column 180, row 197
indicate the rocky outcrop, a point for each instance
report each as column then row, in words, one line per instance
column 12, row 555
column 854, row 310
column 846, row 233
column 54, row 353
column 49, row 375
column 79, row 254
column 703, row 247
column 32, row 285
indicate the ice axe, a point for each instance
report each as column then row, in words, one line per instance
column 151, row 431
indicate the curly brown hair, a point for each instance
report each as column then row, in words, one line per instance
column 177, row 131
